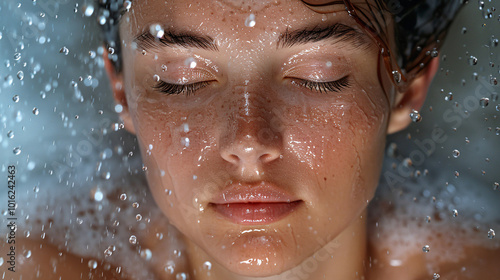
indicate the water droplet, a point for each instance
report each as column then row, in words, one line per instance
column 181, row 276
column 170, row 267
column 10, row 134
column 92, row 264
column 15, row 98
column 428, row 219
column 156, row 78
column 135, row 204
column 111, row 50
column 455, row 212
column 138, row 217
column 36, row 111
column 20, row 75
column 164, row 68
column 64, row 51
column 484, row 102
column 156, row 30
column 127, row 5
column 250, row 21
column 449, row 96
column 329, row 64
column 144, row 52
column 456, row 153
column 436, row 276
column 108, row 252
column 28, row 254
column 123, row 196
column 426, row 249
column 496, row 185
column 96, row 194
column 207, row 265
column 89, row 10
column 494, row 42
column 397, row 76
column 456, row 173
column 190, row 62
column 132, row 240
column 415, row 116
column 146, row 254
column 17, row 56
column 491, row 234
column 17, row 150
column 472, row 60
column 434, row 53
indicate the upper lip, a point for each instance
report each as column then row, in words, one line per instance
column 263, row 192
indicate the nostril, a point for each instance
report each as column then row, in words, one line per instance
column 233, row 158
column 267, row 158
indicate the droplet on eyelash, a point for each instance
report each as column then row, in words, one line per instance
column 156, row 30
column 190, row 62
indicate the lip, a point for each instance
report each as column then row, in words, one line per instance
column 256, row 204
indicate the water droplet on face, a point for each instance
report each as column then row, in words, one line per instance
column 181, row 276
column 472, row 60
column 92, row 264
column 484, row 102
column 17, row 56
column 436, row 276
column 96, row 194
column 144, row 52
column 135, row 204
column 456, row 173
column 415, row 116
column 434, row 53
column 15, row 98
column 449, row 96
column 456, row 153
column 132, row 240
column 10, row 134
column 146, row 254
column 108, row 252
column 455, row 212
column 111, row 50
column 428, row 219
column 250, row 21
column 156, row 78
column 123, row 196
column 496, row 185
column 64, row 50
column 127, row 5
column 397, row 76
column 138, row 217
column 36, row 111
column 426, row 249
column 17, row 151
column 156, row 30
column 20, row 75
column 207, row 265
column 491, row 234
column 329, row 64
column 190, row 62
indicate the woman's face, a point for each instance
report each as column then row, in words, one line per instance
column 273, row 146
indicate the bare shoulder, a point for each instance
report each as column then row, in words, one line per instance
column 36, row 259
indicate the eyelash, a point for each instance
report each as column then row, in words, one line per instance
column 178, row 89
column 333, row 86
column 324, row 87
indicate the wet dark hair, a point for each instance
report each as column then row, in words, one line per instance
column 419, row 27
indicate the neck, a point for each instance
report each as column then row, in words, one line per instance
column 344, row 258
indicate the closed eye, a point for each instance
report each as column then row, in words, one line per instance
column 187, row 89
column 323, row 87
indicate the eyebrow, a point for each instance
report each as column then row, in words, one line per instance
column 339, row 32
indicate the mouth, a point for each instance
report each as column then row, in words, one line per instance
column 254, row 204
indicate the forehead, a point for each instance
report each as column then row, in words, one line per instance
column 216, row 17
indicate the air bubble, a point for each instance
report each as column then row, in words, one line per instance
column 426, row 249
column 64, row 50
column 250, row 21
column 491, row 234
column 484, row 102
column 472, row 60
column 415, row 116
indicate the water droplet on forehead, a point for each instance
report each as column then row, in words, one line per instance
column 415, row 116
column 250, row 21
column 64, row 50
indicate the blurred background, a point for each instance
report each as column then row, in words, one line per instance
column 60, row 129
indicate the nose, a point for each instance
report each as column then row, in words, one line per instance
column 251, row 138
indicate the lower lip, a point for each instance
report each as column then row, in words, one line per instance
column 255, row 213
